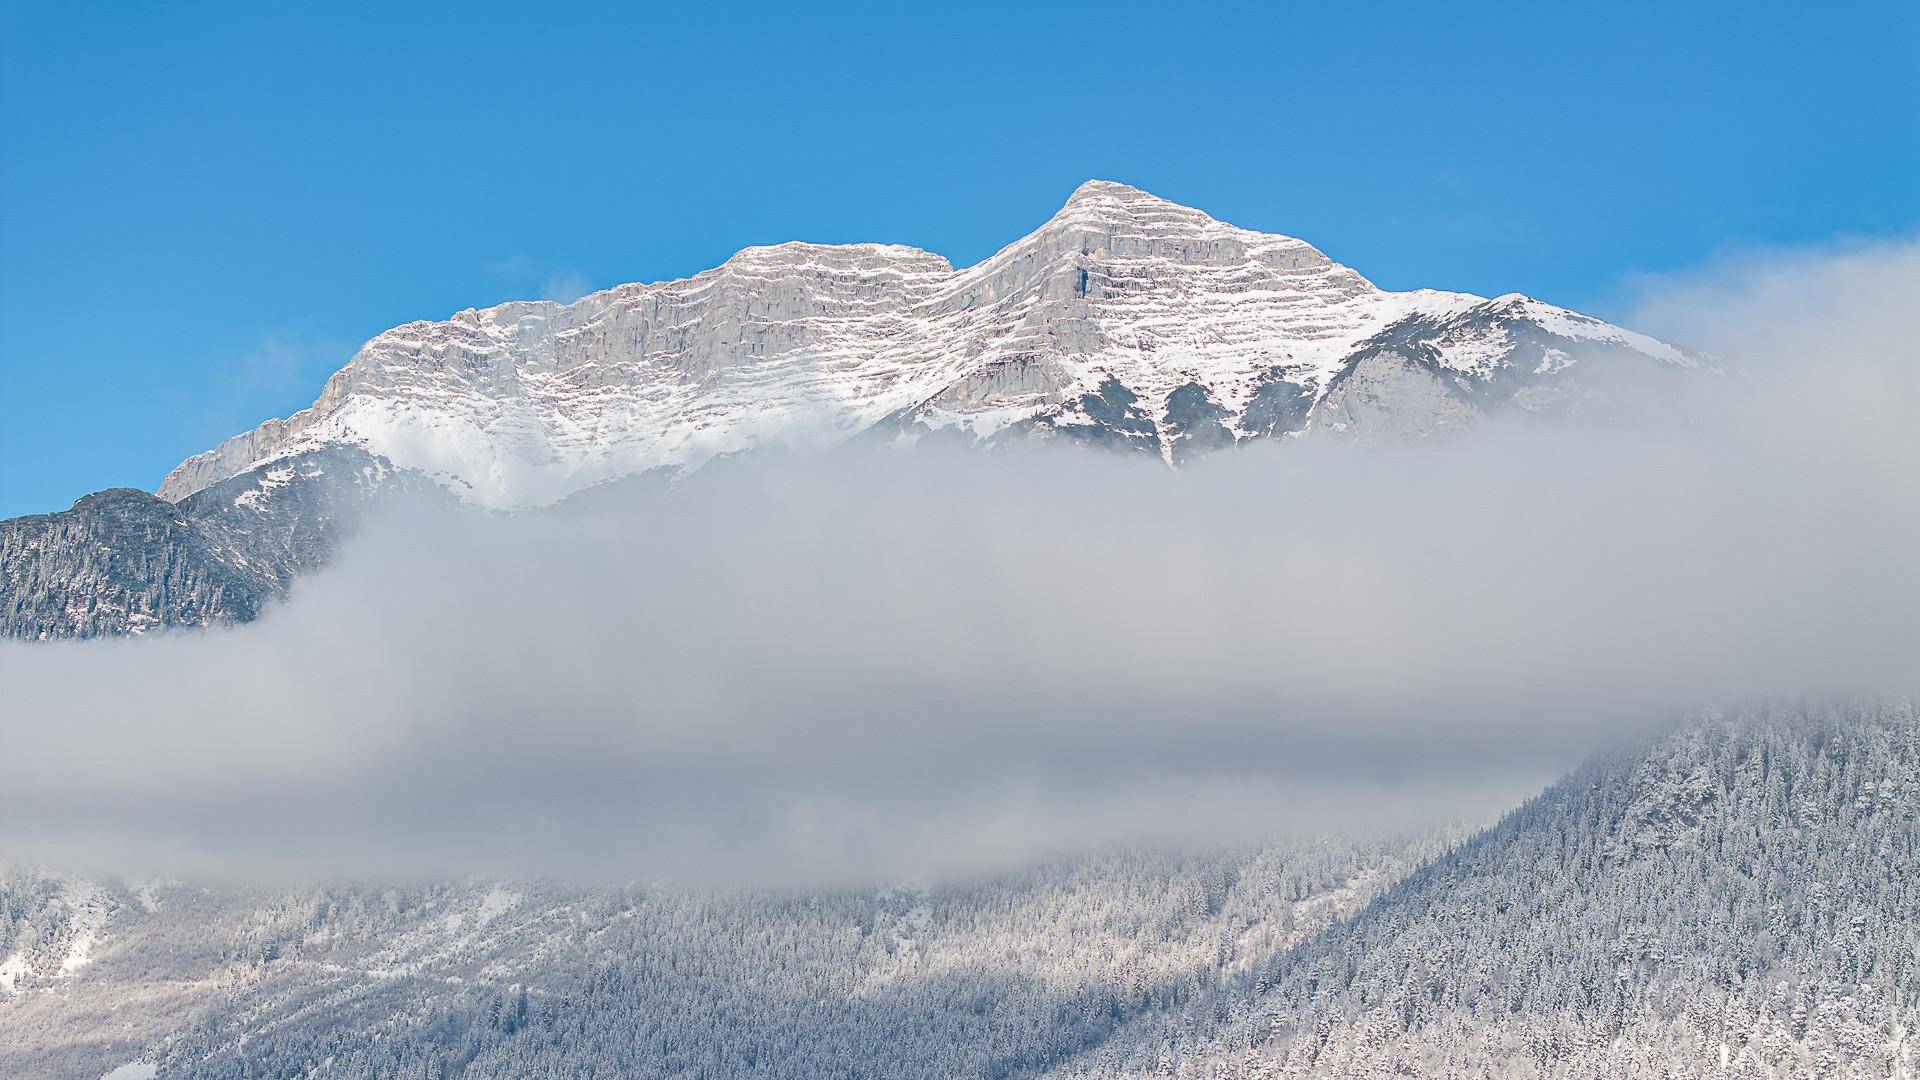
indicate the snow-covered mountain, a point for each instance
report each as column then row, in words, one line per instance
column 1124, row 319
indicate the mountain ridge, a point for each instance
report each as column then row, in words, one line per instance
column 802, row 345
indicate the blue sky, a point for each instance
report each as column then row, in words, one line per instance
column 203, row 210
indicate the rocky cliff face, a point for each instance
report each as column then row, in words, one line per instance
column 1212, row 334
column 123, row 561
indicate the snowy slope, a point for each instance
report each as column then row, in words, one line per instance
column 1199, row 332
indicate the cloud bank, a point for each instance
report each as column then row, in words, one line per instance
column 875, row 665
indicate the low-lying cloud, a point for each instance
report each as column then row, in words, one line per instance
column 871, row 665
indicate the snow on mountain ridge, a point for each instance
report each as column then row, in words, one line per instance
column 803, row 345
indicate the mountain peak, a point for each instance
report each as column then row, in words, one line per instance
column 1108, row 203
column 1109, row 189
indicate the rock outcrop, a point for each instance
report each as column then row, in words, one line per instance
column 124, row 561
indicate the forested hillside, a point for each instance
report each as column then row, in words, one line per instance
column 525, row 979
column 1743, row 898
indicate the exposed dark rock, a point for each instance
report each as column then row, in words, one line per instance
column 1109, row 417
column 1194, row 423
column 1278, row 407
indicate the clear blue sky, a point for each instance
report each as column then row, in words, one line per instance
column 206, row 209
